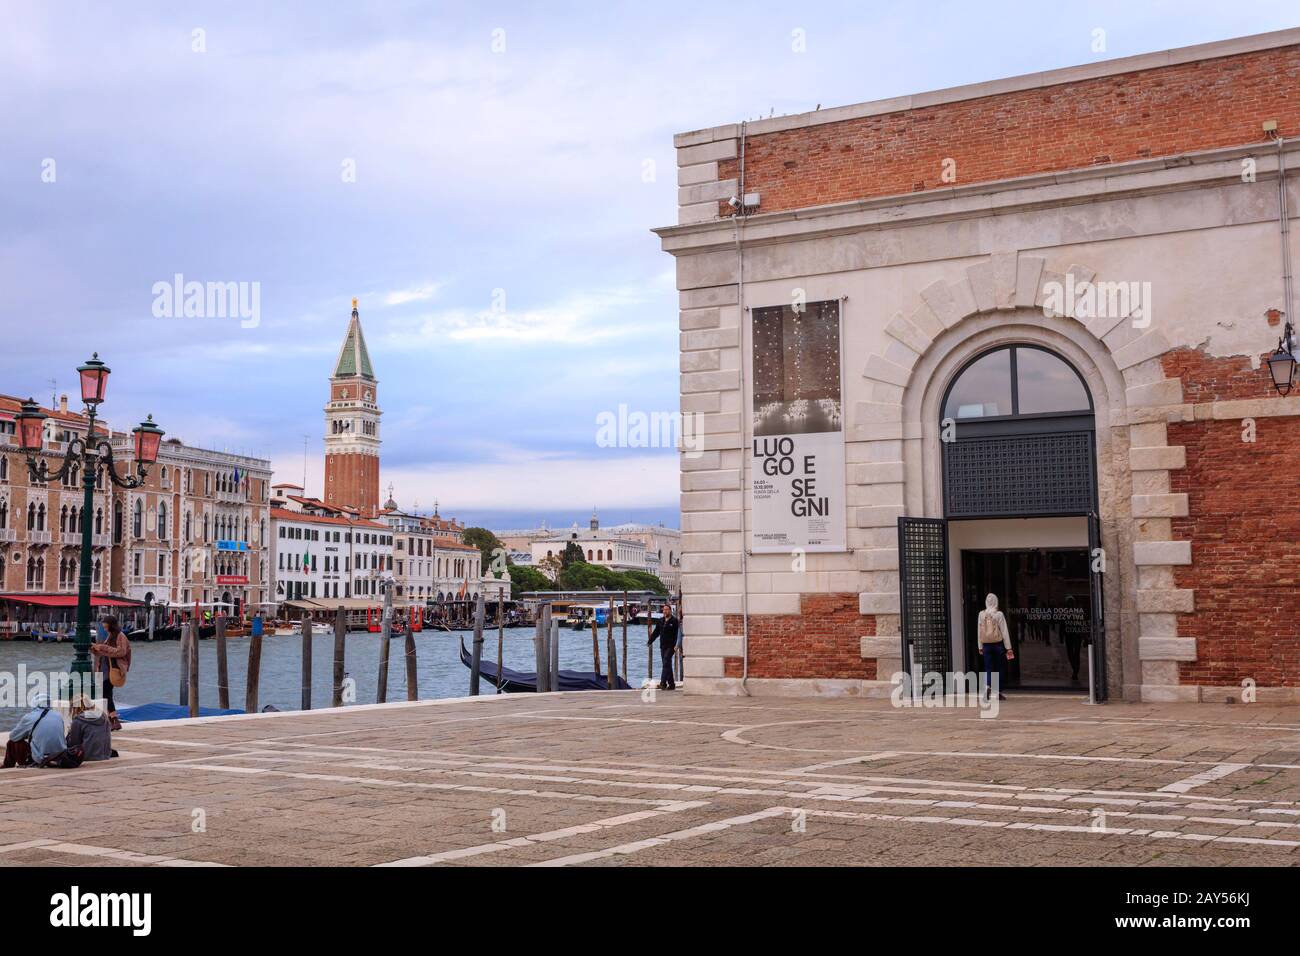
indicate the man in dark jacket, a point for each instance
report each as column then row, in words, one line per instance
column 667, row 630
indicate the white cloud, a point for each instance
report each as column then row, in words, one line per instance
column 579, row 318
column 420, row 293
column 542, row 483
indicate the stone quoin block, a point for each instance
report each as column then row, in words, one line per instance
column 1162, row 552
column 1161, row 458
column 1168, row 391
column 720, row 295
column 694, row 319
column 1167, row 648
column 699, row 173
column 728, row 480
column 728, row 338
column 1160, row 506
column 706, row 152
column 873, row 646
column 700, row 212
column 879, row 602
column 706, row 192
column 1177, row 601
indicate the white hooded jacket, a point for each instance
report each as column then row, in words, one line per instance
column 999, row 619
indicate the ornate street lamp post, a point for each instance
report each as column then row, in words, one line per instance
column 92, row 453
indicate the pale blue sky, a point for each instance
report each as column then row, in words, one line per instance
column 476, row 171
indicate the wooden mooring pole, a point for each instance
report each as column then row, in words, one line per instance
column 223, row 670
column 501, row 632
column 306, row 660
column 340, row 649
column 385, row 633
column 595, row 643
column 184, row 697
column 553, row 664
column 412, row 666
column 625, row 664
column 476, row 665
column 253, row 679
column 194, row 668
column 539, row 653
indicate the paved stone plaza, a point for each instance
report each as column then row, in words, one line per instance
column 612, row 779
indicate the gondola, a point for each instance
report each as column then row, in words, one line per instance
column 517, row 682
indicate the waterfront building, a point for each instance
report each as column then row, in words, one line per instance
column 322, row 552
column 663, row 549
column 195, row 532
column 624, row 547
column 599, row 547
column 40, row 525
column 433, row 564
column 1010, row 337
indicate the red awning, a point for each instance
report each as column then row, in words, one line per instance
column 68, row 600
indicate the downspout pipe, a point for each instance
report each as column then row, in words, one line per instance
column 1284, row 227
column 744, row 484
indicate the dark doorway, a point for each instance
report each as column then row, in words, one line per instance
column 1045, row 595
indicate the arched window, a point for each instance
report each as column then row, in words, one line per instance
column 117, row 521
column 4, row 513
column 137, row 520
column 162, row 521
column 1013, row 382
column 63, row 518
column 40, row 519
column 4, row 467
column 99, row 521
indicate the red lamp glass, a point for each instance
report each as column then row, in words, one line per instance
column 148, row 437
column 94, row 380
column 31, row 426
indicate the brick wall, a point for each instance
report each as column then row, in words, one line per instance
column 352, row 480
column 1244, row 524
column 822, row 640
column 1207, row 378
column 1157, row 112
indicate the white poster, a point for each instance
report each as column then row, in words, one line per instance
column 797, row 451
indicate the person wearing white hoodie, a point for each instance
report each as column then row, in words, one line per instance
column 994, row 643
column 42, row 728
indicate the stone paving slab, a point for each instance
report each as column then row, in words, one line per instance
column 607, row 779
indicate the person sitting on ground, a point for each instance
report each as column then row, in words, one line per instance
column 37, row 737
column 90, row 730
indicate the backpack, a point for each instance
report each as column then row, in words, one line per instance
column 989, row 632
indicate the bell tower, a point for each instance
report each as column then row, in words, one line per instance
column 352, row 427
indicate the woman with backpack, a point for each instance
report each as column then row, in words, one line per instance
column 113, row 660
column 994, row 643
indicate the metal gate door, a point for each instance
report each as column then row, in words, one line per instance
column 923, row 586
column 1096, row 591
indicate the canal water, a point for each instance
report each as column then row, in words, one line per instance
column 155, row 667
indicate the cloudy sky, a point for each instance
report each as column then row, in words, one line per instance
column 482, row 176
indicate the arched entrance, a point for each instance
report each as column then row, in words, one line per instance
column 1018, row 466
